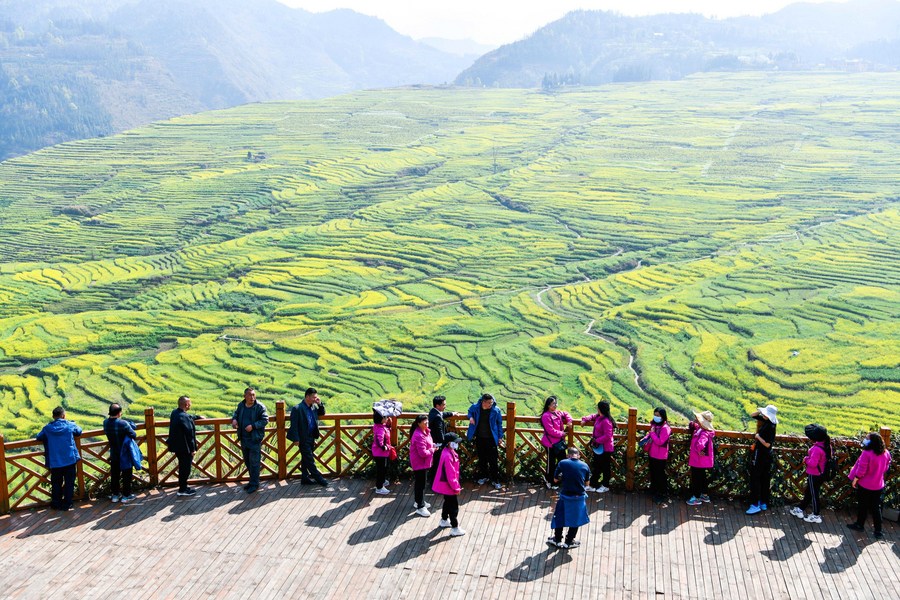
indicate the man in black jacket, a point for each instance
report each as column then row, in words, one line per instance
column 250, row 419
column 117, row 429
column 305, row 431
column 438, row 428
column 182, row 442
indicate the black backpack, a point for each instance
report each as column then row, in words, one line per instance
column 830, row 464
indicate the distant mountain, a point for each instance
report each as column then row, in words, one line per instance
column 594, row 47
column 76, row 69
column 467, row 48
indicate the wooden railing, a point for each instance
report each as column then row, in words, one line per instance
column 344, row 449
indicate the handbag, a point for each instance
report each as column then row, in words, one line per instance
column 559, row 447
column 644, row 443
column 393, row 455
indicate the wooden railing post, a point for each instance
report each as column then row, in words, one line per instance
column 337, row 447
column 217, row 445
column 510, row 439
column 631, row 449
column 886, row 436
column 152, row 461
column 4, row 483
column 281, row 439
column 79, row 469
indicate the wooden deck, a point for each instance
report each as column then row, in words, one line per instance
column 343, row 542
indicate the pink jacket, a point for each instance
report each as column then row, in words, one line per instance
column 871, row 468
column 381, row 445
column 659, row 435
column 421, row 448
column 603, row 430
column 554, row 424
column 815, row 459
column 701, row 455
column 446, row 481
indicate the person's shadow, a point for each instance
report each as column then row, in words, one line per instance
column 662, row 520
column 381, row 518
column 843, row 556
column 725, row 528
column 787, row 546
column 410, row 549
column 331, row 517
column 538, row 566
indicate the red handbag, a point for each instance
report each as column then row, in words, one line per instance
column 393, row 455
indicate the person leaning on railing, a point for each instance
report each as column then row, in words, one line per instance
column 555, row 422
column 602, row 446
column 61, row 454
column 304, row 430
column 250, row 419
column 117, row 430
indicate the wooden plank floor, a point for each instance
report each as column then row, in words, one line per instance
column 295, row 541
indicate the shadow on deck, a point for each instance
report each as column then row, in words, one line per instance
column 290, row 540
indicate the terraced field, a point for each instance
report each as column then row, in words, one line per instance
column 722, row 242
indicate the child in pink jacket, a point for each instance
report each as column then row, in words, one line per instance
column 867, row 476
column 815, row 461
column 421, row 449
column 446, row 482
column 602, row 445
column 656, row 442
column 701, row 458
column 381, row 450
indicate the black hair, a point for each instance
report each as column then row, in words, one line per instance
column 59, row 412
column 662, row 414
column 310, row 392
column 876, row 443
column 603, row 409
column 550, row 400
column 248, row 389
column 415, row 424
column 115, row 409
column 486, row 397
column 376, row 417
column 437, row 400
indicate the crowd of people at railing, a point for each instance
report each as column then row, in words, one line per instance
column 434, row 458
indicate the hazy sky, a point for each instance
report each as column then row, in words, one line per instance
column 504, row 21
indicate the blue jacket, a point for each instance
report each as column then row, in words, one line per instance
column 116, row 431
column 496, row 421
column 59, row 439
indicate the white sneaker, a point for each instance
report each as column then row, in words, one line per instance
column 588, row 488
column 456, row 532
column 797, row 512
column 115, row 498
column 813, row 519
column 423, row 512
column 128, row 498
column 382, row 491
column 425, row 504
column 602, row 489
column 444, row 523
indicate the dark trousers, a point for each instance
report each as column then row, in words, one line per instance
column 62, row 486
column 699, row 483
column 760, row 481
column 659, row 484
column 119, row 480
column 253, row 459
column 450, row 510
column 419, row 486
column 813, row 489
column 488, row 455
column 601, row 469
column 380, row 470
column 184, row 470
column 553, row 458
column 570, row 537
column 868, row 501
column 308, row 469
column 435, row 460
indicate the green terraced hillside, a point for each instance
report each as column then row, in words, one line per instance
column 719, row 242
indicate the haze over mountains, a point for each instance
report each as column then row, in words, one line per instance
column 73, row 69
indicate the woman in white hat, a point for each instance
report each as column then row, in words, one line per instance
column 761, row 458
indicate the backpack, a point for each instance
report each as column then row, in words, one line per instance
column 830, row 465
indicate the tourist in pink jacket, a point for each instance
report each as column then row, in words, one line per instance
column 421, row 449
column 701, row 457
column 381, row 449
column 816, row 458
column 446, row 483
column 656, row 443
column 555, row 422
column 602, row 445
column 867, row 476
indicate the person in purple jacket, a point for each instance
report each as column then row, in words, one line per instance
column 446, row 482
column 381, row 450
column 602, row 444
column 421, row 449
column 701, row 457
column 656, row 442
column 816, row 459
column 555, row 422
column 867, row 476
